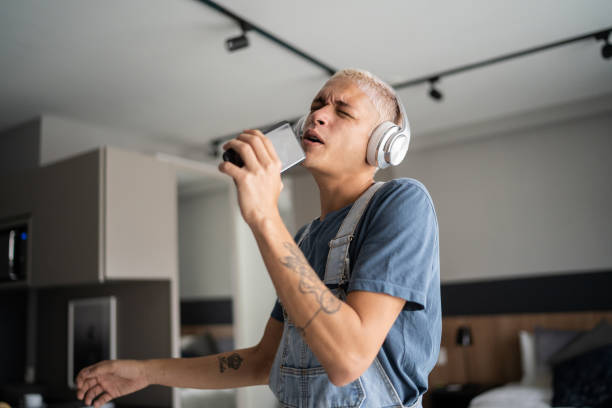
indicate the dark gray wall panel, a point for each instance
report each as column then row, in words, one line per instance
column 542, row 294
column 143, row 331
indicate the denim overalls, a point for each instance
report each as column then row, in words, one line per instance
column 297, row 379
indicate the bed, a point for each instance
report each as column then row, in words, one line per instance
column 561, row 367
column 542, row 360
column 514, row 395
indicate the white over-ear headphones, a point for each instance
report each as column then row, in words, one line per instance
column 388, row 142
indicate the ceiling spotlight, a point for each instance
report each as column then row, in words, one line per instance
column 433, row 92
column 237, row 43
column 606, row 50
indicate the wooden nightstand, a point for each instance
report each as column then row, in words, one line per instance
column 456, row 396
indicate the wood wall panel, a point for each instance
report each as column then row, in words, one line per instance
column 494, row 356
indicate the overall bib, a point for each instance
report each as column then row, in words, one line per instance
column 297, row 379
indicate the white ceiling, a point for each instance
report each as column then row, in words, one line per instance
column 159, row 67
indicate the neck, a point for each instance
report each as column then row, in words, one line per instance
column 338, row 192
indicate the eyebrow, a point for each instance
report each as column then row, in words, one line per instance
column 321, row 100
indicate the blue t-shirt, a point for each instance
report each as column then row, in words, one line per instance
column 395, row 251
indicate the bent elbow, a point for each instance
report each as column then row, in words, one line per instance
column 344, row 375
column 340, row 380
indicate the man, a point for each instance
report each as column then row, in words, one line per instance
column 362, row 329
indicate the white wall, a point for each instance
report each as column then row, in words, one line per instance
column 305, row 196
column 530, row 201
column 205, row 240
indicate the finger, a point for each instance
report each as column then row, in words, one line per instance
column 93, row 393
column 245, row 151
column 83, row 374
column 103, row 399
column 231, row 170
column 270, row 148
column 87, row 384
column 267, row 143
column 257, row 144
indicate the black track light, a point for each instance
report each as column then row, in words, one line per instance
column 606, row 50
column 433, row 92
column 239, row 42
column 236, row 43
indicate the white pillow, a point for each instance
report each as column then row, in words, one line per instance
column 528, row 357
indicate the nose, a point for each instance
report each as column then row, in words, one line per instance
column 321, row 116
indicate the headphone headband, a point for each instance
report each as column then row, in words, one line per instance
column 405, row 124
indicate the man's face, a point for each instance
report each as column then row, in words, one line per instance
column 341, row 118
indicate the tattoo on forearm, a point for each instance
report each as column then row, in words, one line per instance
column 233, row 361
column 310, row 283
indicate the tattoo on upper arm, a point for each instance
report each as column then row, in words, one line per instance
column 310, row 283
column 233, row 361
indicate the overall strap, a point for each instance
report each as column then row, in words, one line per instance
column 304, row 234
column 337, row 269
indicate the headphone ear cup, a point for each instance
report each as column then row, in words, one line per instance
column 375, row 155
column 298, row 128
column 396, row 148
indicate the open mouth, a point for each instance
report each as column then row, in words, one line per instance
column 312, row 137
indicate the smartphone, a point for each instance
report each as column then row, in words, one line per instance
column 285, row 142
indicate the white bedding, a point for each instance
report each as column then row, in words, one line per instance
column 514, row 395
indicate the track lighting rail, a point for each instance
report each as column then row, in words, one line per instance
column 243, row 22
column 432, row 79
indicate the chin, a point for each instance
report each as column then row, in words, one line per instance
column 310, row 165
column 309, row 162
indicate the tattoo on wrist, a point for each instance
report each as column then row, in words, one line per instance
column 233, row 361
column 310, row 283
column 302, row 329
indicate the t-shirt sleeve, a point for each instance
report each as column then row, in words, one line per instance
column 277, row 312
column 400, row 246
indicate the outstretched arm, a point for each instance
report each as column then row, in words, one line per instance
column 108, row 380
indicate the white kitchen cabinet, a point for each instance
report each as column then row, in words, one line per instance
column 104, row 216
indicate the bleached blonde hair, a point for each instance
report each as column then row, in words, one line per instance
column 380, row 93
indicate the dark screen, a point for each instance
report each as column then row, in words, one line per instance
column 13, row 317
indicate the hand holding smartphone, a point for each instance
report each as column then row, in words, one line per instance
column 285, row 142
